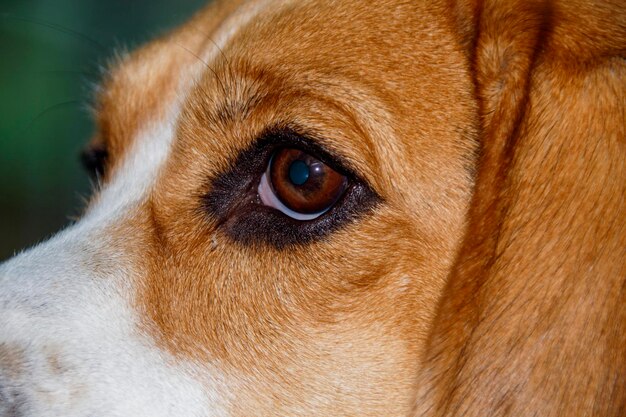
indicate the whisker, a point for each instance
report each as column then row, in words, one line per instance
column 79, row 212
column 229, row 67
column 210, row 39
column 54, row 26
column 95, row 185
column 67, row 72
column 206, row 65
column 57, row 106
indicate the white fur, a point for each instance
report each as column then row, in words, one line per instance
column 82, row 351
column 68, row 304
column 240, row 18
column 69, row 329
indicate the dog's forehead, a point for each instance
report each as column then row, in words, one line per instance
column 339, row 73
column 141, row 87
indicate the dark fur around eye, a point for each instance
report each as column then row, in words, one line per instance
column 94, row 160
column 234, row 202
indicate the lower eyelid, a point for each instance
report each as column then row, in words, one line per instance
column 269, row 199
column 246, row 207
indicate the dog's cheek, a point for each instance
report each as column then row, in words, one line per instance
column 328, row 309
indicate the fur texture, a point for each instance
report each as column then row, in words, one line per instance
column 485, row 274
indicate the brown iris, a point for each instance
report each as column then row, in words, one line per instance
column 303, row 183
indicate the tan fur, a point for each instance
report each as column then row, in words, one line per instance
column 532, row 321
column 500, row 294
column 12, row 360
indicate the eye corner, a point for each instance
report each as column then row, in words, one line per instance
column 94, row 159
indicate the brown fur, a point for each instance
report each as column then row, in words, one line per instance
column 533, row 320
column 505, row 301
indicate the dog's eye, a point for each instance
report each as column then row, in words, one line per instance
column 94, row 160
column 285, row 190
column 300, row 185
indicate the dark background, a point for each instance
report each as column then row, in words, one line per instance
column 51, row 55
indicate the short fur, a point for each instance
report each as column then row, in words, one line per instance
column 487, row 278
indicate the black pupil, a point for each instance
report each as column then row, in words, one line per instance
column 299, row 172
column 303, row 183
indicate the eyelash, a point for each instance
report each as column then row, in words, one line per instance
column 233, row 199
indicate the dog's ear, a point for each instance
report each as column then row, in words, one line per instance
column 533, row 319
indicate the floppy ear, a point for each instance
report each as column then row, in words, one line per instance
column 533, row 318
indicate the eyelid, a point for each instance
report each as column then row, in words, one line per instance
column 269, row 199
column 311, row 143
column 234, row 197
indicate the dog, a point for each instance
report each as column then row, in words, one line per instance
column 342, row 208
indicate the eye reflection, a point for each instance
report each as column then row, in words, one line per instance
column 300, row 185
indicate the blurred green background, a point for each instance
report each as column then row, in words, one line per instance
column 51, row 52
